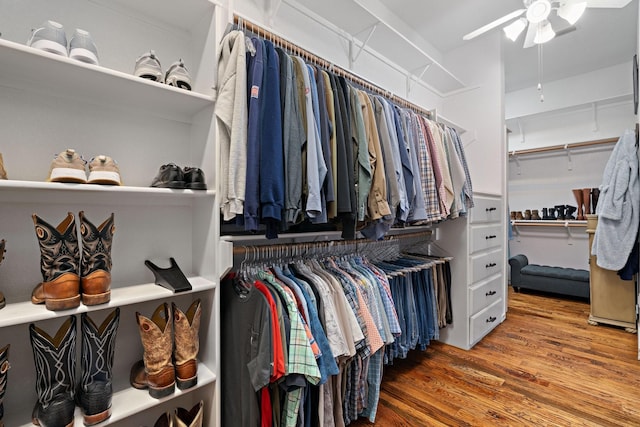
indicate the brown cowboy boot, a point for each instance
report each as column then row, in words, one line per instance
column 187, row 344
column 59, row 259
column 155, row 371
column 4, row 372
column 3, row 171
column 192, row 418
column 96, row 260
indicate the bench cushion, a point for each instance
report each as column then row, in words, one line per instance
column 556, row 272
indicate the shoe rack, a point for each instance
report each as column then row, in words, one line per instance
column 49, row 103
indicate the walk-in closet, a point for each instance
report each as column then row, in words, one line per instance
column 243, row 213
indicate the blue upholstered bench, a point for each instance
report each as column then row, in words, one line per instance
column 558, row 280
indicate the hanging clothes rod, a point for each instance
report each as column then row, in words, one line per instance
column 243, row 24
column 331, row 246
column 564, row 147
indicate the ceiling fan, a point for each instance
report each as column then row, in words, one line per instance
column 536, row 14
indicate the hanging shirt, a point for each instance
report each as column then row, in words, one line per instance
column 316, row 168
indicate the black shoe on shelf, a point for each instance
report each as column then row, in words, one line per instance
column 169, row 176
column 194, row 178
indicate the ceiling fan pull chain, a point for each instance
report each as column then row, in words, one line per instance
column 540, row 70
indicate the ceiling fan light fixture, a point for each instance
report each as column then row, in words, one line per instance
column 544, row 33
column 572, row 11
column 538, row 11
column 513, row 30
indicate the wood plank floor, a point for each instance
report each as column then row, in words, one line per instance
column 544, row 366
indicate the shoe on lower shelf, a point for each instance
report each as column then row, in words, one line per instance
column 68, row 166
column 82, row 48
column 169, row 176
column 3, row 302
column 104, row 170
column 49, row 37
column 194, row 178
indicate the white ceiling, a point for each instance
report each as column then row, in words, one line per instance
column 603, row 37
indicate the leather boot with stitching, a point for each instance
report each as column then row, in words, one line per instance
column 59, row 262
column 55, row 361
column 586, row 196
column 155, row 371
column 186, row 326
column 96, row 260
column 3, row 171
column 191, row 418
column 3, row 302
column 98, row 346
column 4, row 372
column 577, row 193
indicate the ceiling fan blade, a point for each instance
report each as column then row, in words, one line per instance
column 494, row 24
column 531, row 34
column 608, row 3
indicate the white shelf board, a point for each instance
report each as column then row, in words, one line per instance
column 27, row 68
column 27, row 312
column 131, row 401
column 29, row 191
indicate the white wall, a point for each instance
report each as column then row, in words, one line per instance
column 480, row 110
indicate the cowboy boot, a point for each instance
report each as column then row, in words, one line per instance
column 595, row 195
column 3, row 302
column 577, row 193
column 527, row 214
column 3, row 171
column 560, row 211
column 155, row 371
column 552, row 213
column 535, row 215
column 96, row 260
column 95, row 388
column 586, row 196
column 512, row 215
column 187, row 344
column 55, row 360
column 4, row 371
column 59, row 259
column 192, row 418
column 519, row 216
column 165, row 420
column 545, row 213
column 570, row 211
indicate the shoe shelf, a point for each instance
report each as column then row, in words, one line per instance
column 126, row 403
column 27, row 312
column 31, row 69
column 548, row 223
column 26, row 191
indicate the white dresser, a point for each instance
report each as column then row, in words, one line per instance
column 478, row 271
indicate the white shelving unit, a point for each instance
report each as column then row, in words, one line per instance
column 49, row 103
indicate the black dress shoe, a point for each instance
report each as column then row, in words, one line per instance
column 194, row 178
column 169, row 176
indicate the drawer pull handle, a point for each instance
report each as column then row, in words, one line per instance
column 490, row 209
column 490, row 237
column 491, row 264
column 491, row 319
column 490, row 293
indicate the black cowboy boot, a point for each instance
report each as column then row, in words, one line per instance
column 96, row 260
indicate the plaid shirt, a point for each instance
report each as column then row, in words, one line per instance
column 301, row 358
column 427, row 176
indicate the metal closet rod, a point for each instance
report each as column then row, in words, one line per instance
column 262, row 251
column 564, row 147
column 294, row 49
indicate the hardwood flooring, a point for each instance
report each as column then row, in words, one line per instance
column 543, row 366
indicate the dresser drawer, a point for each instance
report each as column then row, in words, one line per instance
column 485, row 265
column 485, row 293
column 483, row 322
column 485, row 237
column 486, row 209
